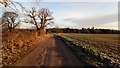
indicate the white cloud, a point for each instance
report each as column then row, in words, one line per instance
column 113, row 25
column 96, row 21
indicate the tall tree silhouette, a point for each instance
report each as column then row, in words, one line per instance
column 40, row 19
column 8, row 19
column 46, row 18
column 33, row 15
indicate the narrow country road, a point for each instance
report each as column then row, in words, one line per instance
column 50, row 52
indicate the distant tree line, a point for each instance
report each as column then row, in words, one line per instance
column 83, row 30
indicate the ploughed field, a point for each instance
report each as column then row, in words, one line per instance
column 104, row 45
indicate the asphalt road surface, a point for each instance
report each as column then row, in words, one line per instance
column 52, row 51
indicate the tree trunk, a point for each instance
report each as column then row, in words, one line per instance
column 42, row 31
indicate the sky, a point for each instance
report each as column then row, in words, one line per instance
column 79, row 13
column 67, row 0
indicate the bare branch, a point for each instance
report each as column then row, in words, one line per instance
column 50, row 19
column 45, row 15
column 48, row 23
column 32, row 14
column 16, row 24
column 9, row 18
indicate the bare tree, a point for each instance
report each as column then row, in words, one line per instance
column 43, row 16
column 8, row 20
column 46, row 18
column 33, row 15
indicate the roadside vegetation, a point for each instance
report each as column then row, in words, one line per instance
column 16, row 44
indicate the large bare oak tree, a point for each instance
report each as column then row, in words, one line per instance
column 45, row 18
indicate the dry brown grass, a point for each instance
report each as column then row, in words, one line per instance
column 16, row 44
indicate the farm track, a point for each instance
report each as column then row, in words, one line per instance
column 51, row 52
